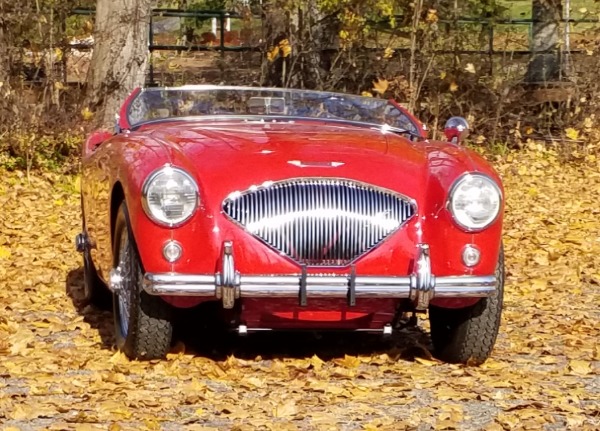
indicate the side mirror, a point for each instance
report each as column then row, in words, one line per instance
column 94, row 140
column 456, row 129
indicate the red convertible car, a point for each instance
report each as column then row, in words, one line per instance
column 289, row 209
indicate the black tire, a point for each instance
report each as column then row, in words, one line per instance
column 95, row 291
column 467, row 335
column 147, row 332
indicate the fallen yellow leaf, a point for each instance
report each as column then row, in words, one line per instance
column 572, row 133
column 87, row 114
column 427, row 362
column 285, row 409
column 349, row 362
column 580, row 367
column 4, row 253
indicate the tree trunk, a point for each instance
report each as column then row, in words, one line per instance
column 4, row 62
column 120, row 56
column 544, row 65
column 310, row 33
column 316, row 35
column 276, row 30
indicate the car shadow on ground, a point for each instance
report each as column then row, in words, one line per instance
column 406, row 343
column 100, row 320
column 200, row 338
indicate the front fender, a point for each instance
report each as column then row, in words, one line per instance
column 118, row 168
column 445, row 238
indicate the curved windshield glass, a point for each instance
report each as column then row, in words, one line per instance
column 154, row 104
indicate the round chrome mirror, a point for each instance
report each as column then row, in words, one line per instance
column 456, row 129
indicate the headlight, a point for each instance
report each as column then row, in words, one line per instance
column 475, row 201
column 170, row 196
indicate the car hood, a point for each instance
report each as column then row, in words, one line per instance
column 228, row 157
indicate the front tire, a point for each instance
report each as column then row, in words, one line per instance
column 143, row 324
column 467, row 335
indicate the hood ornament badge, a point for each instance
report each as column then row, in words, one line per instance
column 301, row 164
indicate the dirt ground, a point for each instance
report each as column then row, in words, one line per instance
column 59, row 369
column 170, row 68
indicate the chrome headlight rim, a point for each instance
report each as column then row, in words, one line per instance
column 457, row 183
column 148, row 182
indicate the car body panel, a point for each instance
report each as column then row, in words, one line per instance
column 232, row 155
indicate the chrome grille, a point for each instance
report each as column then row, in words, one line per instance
column 319, row 222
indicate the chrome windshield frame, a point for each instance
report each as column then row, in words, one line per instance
column 326, row 95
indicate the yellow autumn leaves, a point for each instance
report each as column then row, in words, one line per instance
column 60, row 370
column 87, row 114
column 283, row 49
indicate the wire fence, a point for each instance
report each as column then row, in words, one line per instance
column 223, row 32
column 491, row 26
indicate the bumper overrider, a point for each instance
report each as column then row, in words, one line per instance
column 228, row 285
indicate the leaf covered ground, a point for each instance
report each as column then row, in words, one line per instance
column 59, row 369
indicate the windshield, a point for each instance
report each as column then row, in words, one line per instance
column 152, row 104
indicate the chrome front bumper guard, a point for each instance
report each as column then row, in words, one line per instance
column 228, row 285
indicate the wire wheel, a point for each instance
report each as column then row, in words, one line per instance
column 143, row 326
column 124, row 271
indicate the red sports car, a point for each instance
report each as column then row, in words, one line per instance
column 289, row 209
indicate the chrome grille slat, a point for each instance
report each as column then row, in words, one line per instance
column 320, row 222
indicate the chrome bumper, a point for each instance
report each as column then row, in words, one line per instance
column 421, row 286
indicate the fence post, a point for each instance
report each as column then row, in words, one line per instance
column 150, row 50
column 491, row 47
column 567, row 47
column 222, row 29
column 65, row 48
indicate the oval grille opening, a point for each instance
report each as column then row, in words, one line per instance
column 320, row 222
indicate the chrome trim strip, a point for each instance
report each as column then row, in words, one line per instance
column 179, row 284
column 318, row 286
column 475, row 286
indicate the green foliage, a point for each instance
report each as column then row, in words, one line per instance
column 28, row 149
column 207, row 5
column 355, row 16
column 36, row 23
column 78, row 26
column 483, row 8
column 202, row 5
